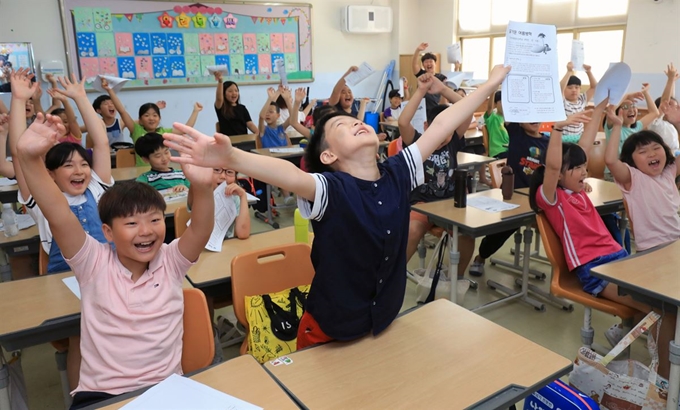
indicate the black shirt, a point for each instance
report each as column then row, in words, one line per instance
column 432, row 100
column 525, row 153
column 235, row 125
column 438, row 169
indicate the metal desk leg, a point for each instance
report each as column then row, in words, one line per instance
column 4, row 388
column 269, row 217
column 515, row 264
column 622, row 226
column 674, row 378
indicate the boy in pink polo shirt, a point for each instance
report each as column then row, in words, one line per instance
column 132, row 303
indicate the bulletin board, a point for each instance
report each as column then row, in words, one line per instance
column 171, row 43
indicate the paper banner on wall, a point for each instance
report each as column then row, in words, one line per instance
column 613, row 83
column 453, row 53
column 577, row 54
column 281, row 68
column 115, row 83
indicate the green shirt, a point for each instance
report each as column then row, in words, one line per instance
column 498, row 135
column 138, row 132
column 164, row 180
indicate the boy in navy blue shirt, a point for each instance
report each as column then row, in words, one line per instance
column 359, row 210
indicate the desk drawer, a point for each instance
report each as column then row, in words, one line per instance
column 25, row 248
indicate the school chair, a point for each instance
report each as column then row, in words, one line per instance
column 546, row 127
column 596, row 159
column 125, row 158
column 495, row 172
column 267, row 271
column 395, row 147
column 565, row 284
column 182, row 216
column 198, row 343
column 485, row 140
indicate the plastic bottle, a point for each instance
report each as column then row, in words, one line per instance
column 9, row 220
column 301, row 228
column 460, row 188
column 507, row 182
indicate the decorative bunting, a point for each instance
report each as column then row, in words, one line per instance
column 129, row 16
column 261, row 19
column 254, row 20
column 118, row 16
column 283, row 21
column 183, row 20
column 269, row 20
column 139, row 17
column 199, row 20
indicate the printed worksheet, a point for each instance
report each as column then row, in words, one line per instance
column 577, row 54
column 531, row 92
column 489, row 204
column 225, row 215
column 281, row 69
column 355, row 77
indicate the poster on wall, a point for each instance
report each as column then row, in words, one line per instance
column 171, row 44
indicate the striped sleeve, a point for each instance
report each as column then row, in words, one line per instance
column 315, row 210
column 414, row 163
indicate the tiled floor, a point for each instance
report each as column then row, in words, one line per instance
column 555, row 328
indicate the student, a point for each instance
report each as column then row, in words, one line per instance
column 271, row 134
column 438, row 169
column 574, row 100
column 115, row 359
column 343, row 98
column 105, row 105
column 233, row 117
column 646, row 174
column 429, row 65
column 285, row 110
column 359, row 210
column 392, row 112
column 68, row 118
column 499, row 140
column 631, row 124
column 161, row 175
column 557, row 191
column 6, row 167
column 318, row 112
column 660, row 125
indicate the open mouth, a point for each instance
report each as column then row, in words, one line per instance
column 77, row 183
column 654, row 163
column 112, row 112
column 144, row 246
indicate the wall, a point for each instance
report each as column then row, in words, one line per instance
column 38, row 21
column 652, row 35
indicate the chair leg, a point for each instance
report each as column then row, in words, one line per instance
column 61, row 367
column 587, row 331
column 422, row 252
column 516, row 265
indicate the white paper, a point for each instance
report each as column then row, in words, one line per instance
column 115, row 83
column 531, row 92
column 23, row 220
column 453, row 53
column 455, row 80
column 221, row 68
column 613, row 83
column 72, row 284
column 355, row 77
column 7, row 182
column 177, row 392
column 170, row 196
column 251, row 198
column 225, row 215
column 289, row 150
column 577, row 54
column 420, row 117
column 402, row 90
column 281, row 70
column 489, row 204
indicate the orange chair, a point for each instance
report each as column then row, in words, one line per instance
column 182, row 216
column 546, row 127
column 198, row 343
column 566, row 285
column 267, row 271
column 125, row 157
column 596, row 159
column 495, row 172
column 395, row 147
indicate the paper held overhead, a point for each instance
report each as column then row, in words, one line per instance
column 115, row 83
column 222, row 68
column 613, row 83
column 355, row 77
column 453, row 53
column 577, row 54
column 281, row 70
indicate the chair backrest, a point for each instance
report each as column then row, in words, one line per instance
column 125, row 157
column 495, row 172
column 267, row 271
column 546, row 127
column 198, row 342
column 596, row 160
column 630, row 220
column 182, row 216
column 485, row 140
column 43, row 261
column 394, row 147
column 565, row 283
column 217, row 126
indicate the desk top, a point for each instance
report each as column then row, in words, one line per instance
column 24, row 235
column 9, row 188
column 473, row 133
column 240, row 139
column 465, row 159
column 243, row 378
column 215, row 266
column 128, row 173
column 604, row 192
column 423, row 360
column 653, row 273
column 475, row 221
column 283, row 155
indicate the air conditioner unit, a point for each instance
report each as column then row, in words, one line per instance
column 367, row 19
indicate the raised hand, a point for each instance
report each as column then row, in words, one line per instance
column 197, row 176
column 422, row 46
column 52, row 92
column 286, row 94
column 437, row 86
column 72, row 88
column 573, row 119
column 672, row 114
column 671, row 72
column 425, row 81
column 272, row 93
column 198, row 148
column 300, row 94
column 218, row 76
column 587, row 68
column 105, row 84
column 613, row 118
column 40, row 136
column 498, row 73
column 198, row 106
column 234, row 189
column 161, row 104
column 570, row 67
column 645, row 87
column 22, row 87
column 351, row 70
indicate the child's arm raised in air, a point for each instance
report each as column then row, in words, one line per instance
column 31, row 148
column 362, row 109
column 565, row 79
column 101, row 152
column 219, row 91
column 406, row 130
column 671, row 77
column 22, row 91
column 292, row 114
column 56, row 102
column 37, row 99
column 217, row 152
column 593, row 82
column 272, row 95
column 3, row 108
column 335, row 95
column 592, row 126
column 300, row 94
column 242, row 221
column 458, row 114
column 415, row 59
column 652, row 111
column 194, row 114
column 73, row 126
column 193, row 240
column 439, row 88
column 128, row 121
column 309, row 106
column 6, row 168
column 618, row 169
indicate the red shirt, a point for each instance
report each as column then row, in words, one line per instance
column 577, row 223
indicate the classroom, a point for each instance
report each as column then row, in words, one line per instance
column 78, row 319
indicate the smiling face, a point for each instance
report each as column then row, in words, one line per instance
column 429, row 65
column 231, row 94
column 346, row 98
column 137, row 237
column 160, row 159
column 574, row 179
column 150, row 120
column 650, row 158
column 107, row 110
column 395, row 101
column 73, row 176
column 30, row 108
column 345, row 138
column 629, row 112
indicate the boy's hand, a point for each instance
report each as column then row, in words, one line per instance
column 570, row 67
column 55, row 94
column 285, row 93
column 105, row 84
column 586, row 68
column 218, row 76
column 364, row 101
column 425, row 81
column 423, row 46
column 234, row 189
column 457, row 66
column 161, row 104
column 615, row 119
column 671, row 72
column 351, row 70
column 498, row 74
column 37, row 95
column 272, row 93
column 199, row 149
column 437, row 86
column 300, row 94
column 573, row 119
column 198, row 106
column 40, row 136
column 22, row 87
column 50, row 79
column 72, row 88
column 179, row 188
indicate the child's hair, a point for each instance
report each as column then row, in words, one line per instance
column 657, row 102
column 572, row 156
column 394, row 93
column 60, row 153
column 149, row 106
column 321, row 111
column 148, row 144
column 281, row 103
column 227, row 109
column 640, row 139
column 317, row 143
column 97, row 103
column 58, row 111
column 434, row 111
column 573, row 80
column 428, row 56
column 497, row 96
column 128, row 198
column 278, row 109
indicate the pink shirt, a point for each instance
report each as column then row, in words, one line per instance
column 653, row 203
column 577, row 223
column 131, row 333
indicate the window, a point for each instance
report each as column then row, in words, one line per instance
column 498, row 54
column 601, row 8
column 503, row 11
column 564, row 51
column 475, row 16
column 601, row 48
column 476, row 56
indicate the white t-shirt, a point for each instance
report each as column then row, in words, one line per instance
column 96, row 187
column 283, row 116
column 573, row 108
column 667, row 132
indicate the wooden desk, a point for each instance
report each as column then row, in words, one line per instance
column 128, row 173
column 473, row 163
column 215, row 267
column 425, row 359
column 604, row 193
column 282, row 155
column 242, row 139
column 241, row 377
column 652, row 274
column 25, row 235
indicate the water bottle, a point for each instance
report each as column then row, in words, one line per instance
column 507, row 182
column 9, row 220
column 460, row 188
column 301, row 228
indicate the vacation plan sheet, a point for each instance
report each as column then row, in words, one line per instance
column 531, row 92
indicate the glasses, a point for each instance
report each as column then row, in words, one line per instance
column 228, row 172
column 627, row 106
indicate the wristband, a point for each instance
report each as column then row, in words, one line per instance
column 557, row 129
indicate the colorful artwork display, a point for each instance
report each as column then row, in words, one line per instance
column 171, row 43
